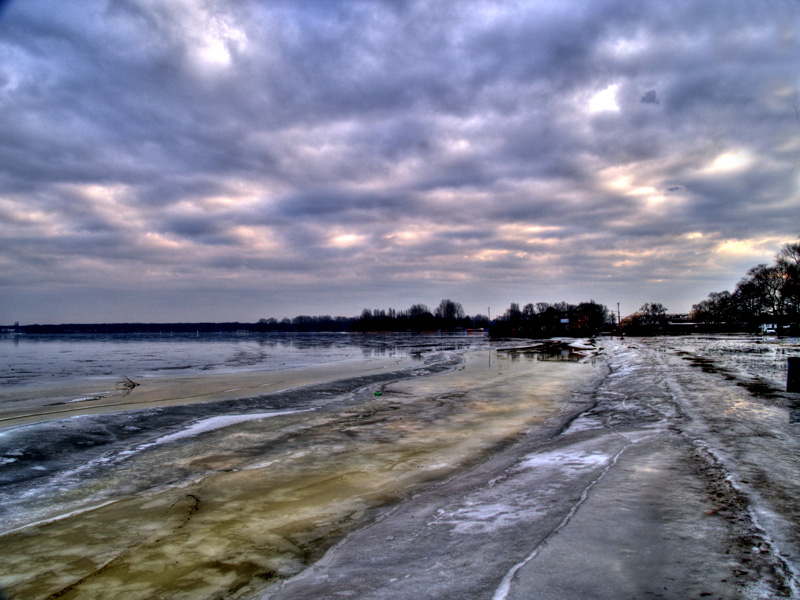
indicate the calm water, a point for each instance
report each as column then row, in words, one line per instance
column 46, row 359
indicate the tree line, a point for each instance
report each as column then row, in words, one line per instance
column 768, row 296
column 550, row 320
column 449, row 315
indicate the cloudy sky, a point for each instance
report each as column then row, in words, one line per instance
column 196, row 160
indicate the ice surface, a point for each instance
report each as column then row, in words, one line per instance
column 270, row 491
column 564, row 460
column 480, row 518
column 217, row 495
column 213, row 423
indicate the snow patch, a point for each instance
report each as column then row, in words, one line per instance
column 90, row 398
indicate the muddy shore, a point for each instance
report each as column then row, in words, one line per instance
column 19, row 406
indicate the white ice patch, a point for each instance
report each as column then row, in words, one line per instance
column 581, row 345
column 214, row 423
column 483, row 518
column 90, row 398
column 437, row 466
column 564, row 460
column 584, row 423
column 623, row 369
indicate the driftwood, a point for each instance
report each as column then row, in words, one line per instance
column 126, row 384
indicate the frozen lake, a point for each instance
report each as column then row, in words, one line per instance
column 230, row 492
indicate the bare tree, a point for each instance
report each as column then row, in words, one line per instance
column 653, row 314
column 449, row 311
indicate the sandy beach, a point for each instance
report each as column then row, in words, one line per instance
column 632, row 474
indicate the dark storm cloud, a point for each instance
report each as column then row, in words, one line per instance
column 307, row 152
column 650, row 98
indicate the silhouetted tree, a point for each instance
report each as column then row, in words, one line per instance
column 450, row 314
column 767, row 294
column 718, row 309
column 449, row 310
column 548, row 320
column 653, row 317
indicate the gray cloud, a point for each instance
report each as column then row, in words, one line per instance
column 320, row 157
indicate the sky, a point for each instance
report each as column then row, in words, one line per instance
column 205, row 160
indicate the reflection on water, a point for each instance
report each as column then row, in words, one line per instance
column 565, row 354
column 757, row 359
column 38, row 359
column 552, row 350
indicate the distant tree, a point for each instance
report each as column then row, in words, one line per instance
column 448, row 310
column 653, row 314
column 267, row 324
column 480, row 321
column 419, row 318
column 767, row 294
column 648, row 320
column 513, row 313
column 528, row 312
column 592, row 317
column 418, row 310
column 788, row 264
column 768, row 283
column 718, row 309
column 548, row 320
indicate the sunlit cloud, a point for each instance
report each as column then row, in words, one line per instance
column 489, row 255
column 731, row 161
column 347, row 240
column 605, row 100
column 747, row 247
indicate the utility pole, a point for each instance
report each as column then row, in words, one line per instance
column 619, row 320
